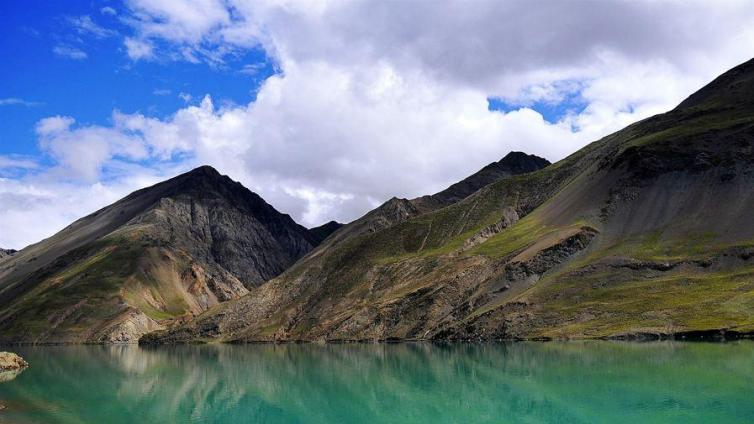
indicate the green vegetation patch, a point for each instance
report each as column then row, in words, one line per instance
column 689, row 127
column 517, row 237
column 655, row 246
column 603, row 305
column 84, row 291
column 93, row 285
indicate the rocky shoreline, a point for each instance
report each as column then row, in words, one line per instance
column 10, row 366
column 11, row 361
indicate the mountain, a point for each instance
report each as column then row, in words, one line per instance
column 323, row 231
column 160, row 255
column 514, row 163
column 4, row 253
column 648, row 232
column 397, row 210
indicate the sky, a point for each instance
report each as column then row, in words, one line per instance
column 326, row 108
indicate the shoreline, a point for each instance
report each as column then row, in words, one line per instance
column 705, row 336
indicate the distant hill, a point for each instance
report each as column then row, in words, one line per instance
column 648, row 232
column 323, row 231
column 157, row 256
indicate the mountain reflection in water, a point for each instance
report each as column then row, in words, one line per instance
column 360, row 383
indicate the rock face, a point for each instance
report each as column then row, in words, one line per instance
column 4, row 253
column 156, row 257
column 509, row 217
column 647, row 231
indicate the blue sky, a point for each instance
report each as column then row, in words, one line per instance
column 89, row 88
column 326, row 109
column 551, row 111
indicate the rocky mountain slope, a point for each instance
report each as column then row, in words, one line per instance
column 160, row 255
column 648, row 231
column 514, row 163
column 4, row 253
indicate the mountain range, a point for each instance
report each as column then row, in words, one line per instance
column 648, row 232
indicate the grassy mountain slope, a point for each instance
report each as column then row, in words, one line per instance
column 647, row 231
column 397, row 210
column 158, row 256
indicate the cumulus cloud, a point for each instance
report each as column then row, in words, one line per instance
column 87, row 153
column 375, row 99
column 138, row 49
column 185, row 21
column 500, row 47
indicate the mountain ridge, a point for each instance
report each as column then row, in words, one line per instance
column 646, row 231
column 514, row 163
column 396, row 210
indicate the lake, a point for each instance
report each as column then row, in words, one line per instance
column 554, row 382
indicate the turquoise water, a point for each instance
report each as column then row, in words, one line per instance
column 573, row 382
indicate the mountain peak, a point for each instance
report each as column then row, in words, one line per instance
column 514, row 163
column 201, row 182
column 204, row 170
column 202, row 173
column 520, row 162
column 323, row 231
column 734, row 88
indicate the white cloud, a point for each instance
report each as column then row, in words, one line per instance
column 17, row 162
column 500, row 47
column 251, row 69
column 107, row 10
column 54, row 125
column 15, row 101
column 39, row 205
column 81, row 153
column 185, row 20
column 70, row 52
column 84, row 25
column 138, row 49
column 161, row 92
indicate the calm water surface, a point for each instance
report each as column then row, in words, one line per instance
column 575, row 382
